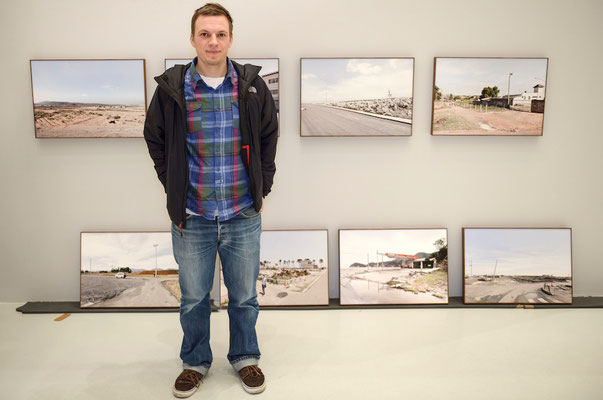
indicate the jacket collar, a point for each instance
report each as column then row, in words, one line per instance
column 172, row 80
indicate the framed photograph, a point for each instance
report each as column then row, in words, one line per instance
column 393, row 266
column 488, row 96
column 517, row 266
column 356, row 96
column 89, row 98
column 128, row 270
column 269, row 73
column 294, row 269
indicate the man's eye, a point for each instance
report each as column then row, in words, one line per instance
column 222, row 34
column 203, row 34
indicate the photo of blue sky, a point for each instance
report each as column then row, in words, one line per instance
column 356, row 245
column 329, row 80
column 468, row 76
column 293, row 245
column 89, row 81
column 107, row 250
column 518, row 251
column 268, row 65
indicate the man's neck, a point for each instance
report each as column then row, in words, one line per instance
column 212, row 71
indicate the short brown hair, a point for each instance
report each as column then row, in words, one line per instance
column 210, row 9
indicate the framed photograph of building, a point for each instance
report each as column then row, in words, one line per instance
column 128, row 270
column 269, row 73
column 393, row 266
column 517, row 266
column 356, row 96
column 88, row 98
column 294, row 269
column 495, row 96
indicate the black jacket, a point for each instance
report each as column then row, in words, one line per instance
column 165, row 134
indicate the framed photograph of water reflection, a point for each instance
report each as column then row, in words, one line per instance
column 517, row 266
column 497, row 96
column 128, row 270
column 356, row 96
column 393, row 266
column 81, row 98
column 294, row 269
column 269, row 72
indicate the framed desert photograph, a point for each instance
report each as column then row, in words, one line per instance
column 356, row 96
column 128, row 270
column 393, row 266
column 269, row 72
column 489, row 96
column 294, row 269
column 517, row 266
column 88, row 98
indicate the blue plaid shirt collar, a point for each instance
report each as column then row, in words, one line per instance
column 197, row 78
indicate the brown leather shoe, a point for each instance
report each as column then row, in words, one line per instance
column 252, row 379
column 187, row 383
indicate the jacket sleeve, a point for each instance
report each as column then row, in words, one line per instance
column 268, row 139
column 154, row 135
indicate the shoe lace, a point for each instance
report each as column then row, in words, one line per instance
column 253, row 371
column 190, row 376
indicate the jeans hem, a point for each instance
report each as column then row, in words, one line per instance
column 202, row 369
column 243, row 362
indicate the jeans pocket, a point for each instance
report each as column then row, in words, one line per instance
column 249, row 212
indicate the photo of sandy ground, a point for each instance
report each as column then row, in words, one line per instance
column 88, row 98
column 80, row 120
column 518, row 266
column 356, row 97
column 456, row 118
column 488, row 96
column 402, row 266
column 294, row 266
column 128, row 269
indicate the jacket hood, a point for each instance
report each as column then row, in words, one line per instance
column 172, row 80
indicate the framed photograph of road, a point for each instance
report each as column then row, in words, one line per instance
column 294, row 269
column 128, row 270
column 393, row 266
column 356, row 96
column 488, row 96
column 517, row 266
column 88, row 98
column 269, row 72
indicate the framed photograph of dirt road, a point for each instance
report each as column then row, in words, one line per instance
column 294, row 269
column 269, row 72
column 488, row 96
column 356, row 96
column 393, row 266
column 128, row 270
column 517, row 266
column 89, row 98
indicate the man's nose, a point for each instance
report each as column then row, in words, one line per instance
column 214, row 39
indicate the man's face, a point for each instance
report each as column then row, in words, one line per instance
column 211, row 39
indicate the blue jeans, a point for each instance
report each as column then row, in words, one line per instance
column 237, row 241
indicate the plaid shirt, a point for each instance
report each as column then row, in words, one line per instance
column 218, row 182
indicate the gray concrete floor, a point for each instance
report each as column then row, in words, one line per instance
column 329, row 354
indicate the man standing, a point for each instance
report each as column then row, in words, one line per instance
column 211, row 130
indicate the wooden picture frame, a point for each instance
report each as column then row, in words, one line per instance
column 415, row 272
column 88, row 98
column 493, row 272
column 477, row 96
column 295, row 263
column 134, row 269
column 356, row 96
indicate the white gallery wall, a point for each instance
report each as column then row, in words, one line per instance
column 53, row 189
